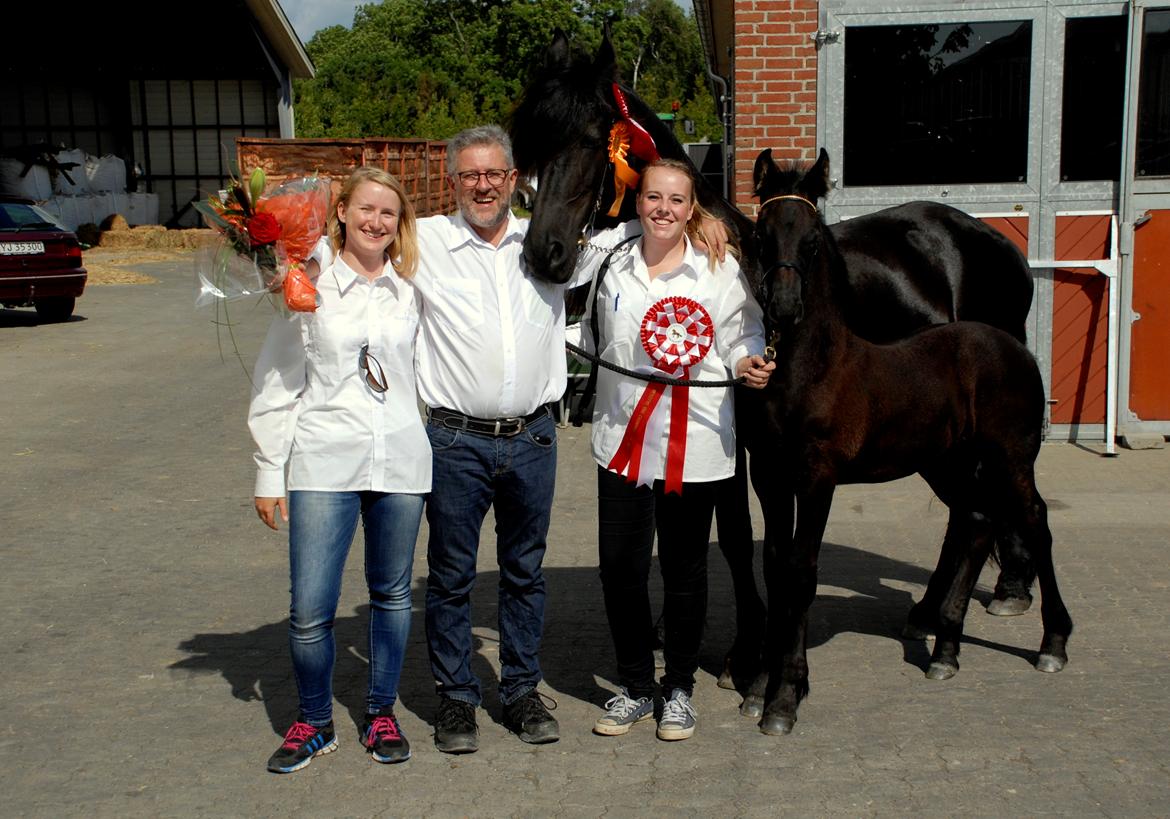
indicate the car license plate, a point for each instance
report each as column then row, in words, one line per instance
column 21, row 248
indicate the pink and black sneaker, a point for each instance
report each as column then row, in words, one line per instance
column 301, row 744
column 383, row 737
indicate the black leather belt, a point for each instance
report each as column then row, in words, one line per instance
column 502, row 427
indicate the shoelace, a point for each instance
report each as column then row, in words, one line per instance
column 298, row 734
column 455, row 717
column 384, row 727
column 675, row 707
column 621, row 705
column 530, row 705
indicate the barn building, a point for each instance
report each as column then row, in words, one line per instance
column 168, row 94
column 1050, row 119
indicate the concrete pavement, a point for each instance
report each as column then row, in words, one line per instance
column 145, row 610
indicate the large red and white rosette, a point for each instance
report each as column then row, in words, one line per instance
column 677, row 333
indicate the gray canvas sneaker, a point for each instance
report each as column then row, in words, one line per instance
column 621, row 712
column 678, row 717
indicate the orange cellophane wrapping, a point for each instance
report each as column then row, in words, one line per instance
column 300, row 295
column 302, row 208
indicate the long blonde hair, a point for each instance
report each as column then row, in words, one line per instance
column 403, row 250
column 695, row 223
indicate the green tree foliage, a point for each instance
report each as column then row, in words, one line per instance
column 428, row 68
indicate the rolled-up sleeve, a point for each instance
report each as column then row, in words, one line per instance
column 740, row 321
column 277, row 384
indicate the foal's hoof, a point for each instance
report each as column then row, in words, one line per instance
column 1050, row 663
column 911, row 631
column 1009, row 607
column 752, row 707
column 776, row 725
column 941, row 671
column 726, row 680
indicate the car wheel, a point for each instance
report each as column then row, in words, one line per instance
column 58, row 308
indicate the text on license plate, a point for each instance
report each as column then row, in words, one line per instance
column 21, row 248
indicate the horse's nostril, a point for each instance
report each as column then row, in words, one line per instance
column 556, row 253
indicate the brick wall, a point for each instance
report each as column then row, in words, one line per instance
column 775, row 86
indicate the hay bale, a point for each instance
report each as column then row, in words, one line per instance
column 115, row 221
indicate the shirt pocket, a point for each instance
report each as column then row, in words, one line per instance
column 460, row 303
column 541, row 302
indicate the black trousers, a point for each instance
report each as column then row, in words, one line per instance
column 628, row 518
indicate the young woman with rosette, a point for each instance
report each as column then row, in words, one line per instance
column 333, row 408
column 665, row 308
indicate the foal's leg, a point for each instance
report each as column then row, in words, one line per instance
column 734, row 525
column 944, row 661
column 922, row 621
column 792, row 586
column 776, row 500
column 1031, row 536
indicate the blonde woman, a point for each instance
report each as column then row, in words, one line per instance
column 339, row 439
column 665, row 308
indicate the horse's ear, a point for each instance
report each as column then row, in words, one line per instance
column 557, row 54
column 815, row 183
column 605, row 61
column 764, row 168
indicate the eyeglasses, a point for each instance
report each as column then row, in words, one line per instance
column 495, row 177
column 370, row 365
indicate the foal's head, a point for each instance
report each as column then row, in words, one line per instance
column 790, row 235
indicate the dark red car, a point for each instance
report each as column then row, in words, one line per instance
column 40, row 261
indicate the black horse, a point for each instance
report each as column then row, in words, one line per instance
column 908, row 266
column 962, row 404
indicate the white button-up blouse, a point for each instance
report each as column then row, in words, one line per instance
column 312, row 410
column 626, row 294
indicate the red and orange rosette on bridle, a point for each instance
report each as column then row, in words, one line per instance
column 627, row 137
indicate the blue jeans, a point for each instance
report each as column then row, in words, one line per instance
column 471, row 473
column 320, row 529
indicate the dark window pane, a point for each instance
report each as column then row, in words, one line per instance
column 1153, row 133
column 1093, row 98
column 937, row 104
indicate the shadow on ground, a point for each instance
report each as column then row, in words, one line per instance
column 577, row 647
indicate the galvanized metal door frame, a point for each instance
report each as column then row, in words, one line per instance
column 1042, row 196
column 1137, row 196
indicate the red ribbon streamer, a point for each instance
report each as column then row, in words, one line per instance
column 666, row 319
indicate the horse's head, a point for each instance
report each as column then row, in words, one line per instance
column 790, row 235
column 561, row 135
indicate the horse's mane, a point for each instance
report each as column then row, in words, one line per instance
column 562, row 98
column 555, row 105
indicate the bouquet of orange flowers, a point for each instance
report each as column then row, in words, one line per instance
column 266, row 239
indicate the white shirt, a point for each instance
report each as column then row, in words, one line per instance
column 312, row 409
column 492, row 338
column 627, row 293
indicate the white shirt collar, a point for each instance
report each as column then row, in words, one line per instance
column 464, row 233
column 693, row 263
column 345, row 276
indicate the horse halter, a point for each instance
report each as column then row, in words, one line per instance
column 766, row 279
column 784, row 263
column 795, row 196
